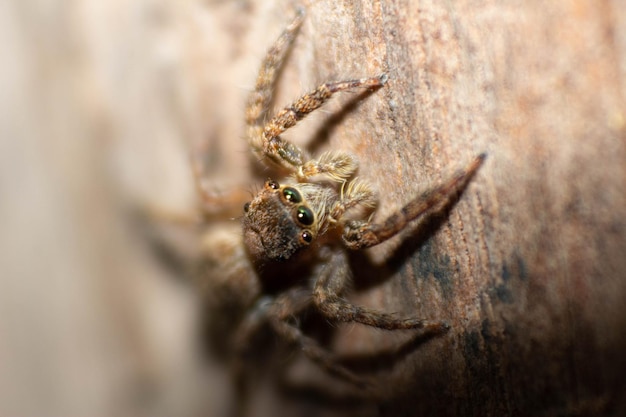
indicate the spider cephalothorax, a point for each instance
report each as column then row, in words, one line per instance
column 279, row 221
column 321, row 208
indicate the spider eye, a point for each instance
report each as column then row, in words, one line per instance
column 306, row 236
column 272, row 184
column 292, row 195
column 305, row 215
column 246, row 207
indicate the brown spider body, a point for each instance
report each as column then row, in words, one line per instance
column 296, row 234
column 279, row 221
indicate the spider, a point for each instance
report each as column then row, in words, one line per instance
column 297, row 232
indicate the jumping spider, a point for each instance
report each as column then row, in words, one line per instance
column 292, row 254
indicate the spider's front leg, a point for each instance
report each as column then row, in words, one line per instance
column 264, row 138
column 363, row 234
column 288, row 155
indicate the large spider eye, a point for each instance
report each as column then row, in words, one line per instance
column 305, row 215
column 306, row 237
column 292, row 195
column 246, row 207
column 272, row 184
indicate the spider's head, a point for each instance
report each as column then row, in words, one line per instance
column 278, row 223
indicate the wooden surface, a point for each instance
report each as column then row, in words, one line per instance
column 103, row 101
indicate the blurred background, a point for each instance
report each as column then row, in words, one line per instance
column 96, row 107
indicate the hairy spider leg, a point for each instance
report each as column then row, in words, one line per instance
column 281, row 315
column 357, row 192
column 231, row 201
column 267, row 309
column 264, row 138
column 327, row 296
column 363, row 234
column 337, row 166
column 288, row 155
column 260, row 99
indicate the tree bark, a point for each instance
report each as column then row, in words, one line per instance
column 528, row 266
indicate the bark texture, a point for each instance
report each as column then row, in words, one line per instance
column 102, row 101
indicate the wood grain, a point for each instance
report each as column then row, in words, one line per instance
column 527, row 267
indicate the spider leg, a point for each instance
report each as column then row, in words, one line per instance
column 337, row 166
column 363, row 234
column 282, row 315
column 264, row 311
column 260, row 99
column 288, row 155
column 264, row 137
column 357, row 192
column 327, row 297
